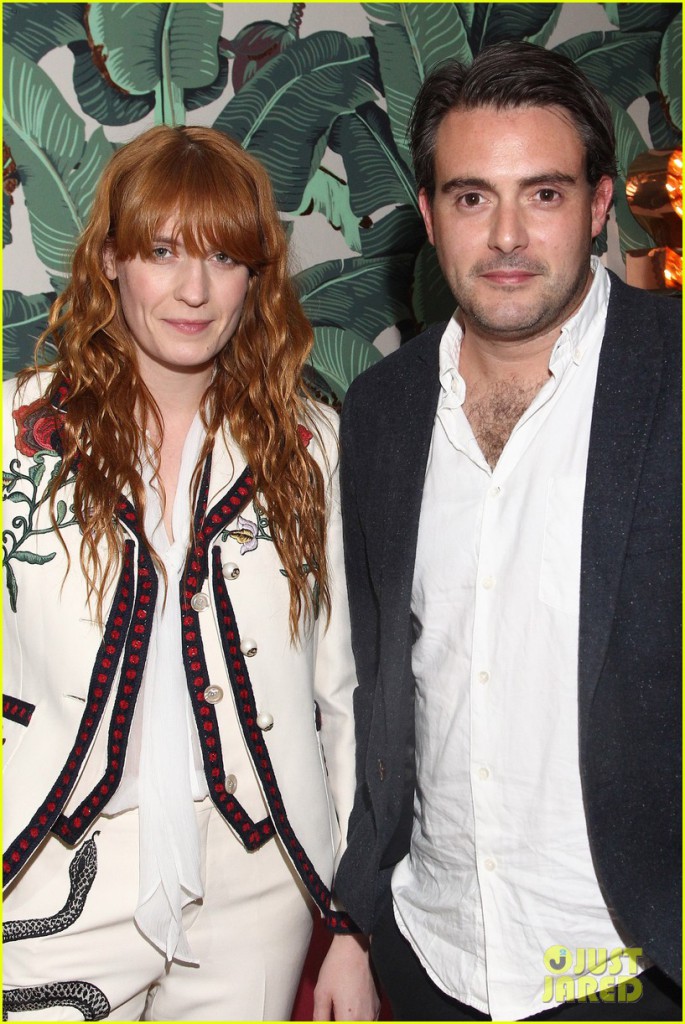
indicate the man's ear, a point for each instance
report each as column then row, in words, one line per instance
column 601, row 201
column 427, row 213
column 109, row 261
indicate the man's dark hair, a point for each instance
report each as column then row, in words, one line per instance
column 506, row 75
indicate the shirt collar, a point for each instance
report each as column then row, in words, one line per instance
column 577, row 334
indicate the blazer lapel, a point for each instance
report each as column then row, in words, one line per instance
column 402, row 483
column 628, row 382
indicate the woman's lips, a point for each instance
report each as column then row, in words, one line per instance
column 188, row 326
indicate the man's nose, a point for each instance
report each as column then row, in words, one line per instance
column 508, row 230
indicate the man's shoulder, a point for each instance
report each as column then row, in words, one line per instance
column 626, row 302
column 401, row 364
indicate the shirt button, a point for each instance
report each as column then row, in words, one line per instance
column 455, row 385
column 249, row 647
column 199, row 602
column 483, row 677
column 213, row 694
column 381, row 769
column 483, row 773
column 265, row 721
column 230, row 570
column 494, row 491
column 490, row 864
column 489, row 582
column 231, row 783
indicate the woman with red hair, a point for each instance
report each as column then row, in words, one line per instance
column 178, row 704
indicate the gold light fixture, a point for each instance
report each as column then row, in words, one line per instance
column 654, row 189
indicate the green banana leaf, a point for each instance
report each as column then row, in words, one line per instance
column 662, row 133
column 376, row 173
column 622, row 65
column 35, row 29
column 196, row 98
column 284, row 113
column 97, row 96
column 432, row 299
column 24, row 318
column 340, row 356
column 671, row 70
column 411, row 39
column 634, row 17
column 400, row 231
column 360, row 295
column 6, row 219
column 160, row 48
column 47, row 141
column 492, row 23
column 83, row 181
column 629, row 145
column 327, row 194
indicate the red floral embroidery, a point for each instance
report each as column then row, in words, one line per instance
column 38, row 428
column 304, row 435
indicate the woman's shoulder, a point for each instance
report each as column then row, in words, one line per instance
column 320, row 429
column 18, row 392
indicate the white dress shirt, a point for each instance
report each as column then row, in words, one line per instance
column 500, row 867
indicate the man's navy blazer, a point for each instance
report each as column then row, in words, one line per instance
column 629, row 670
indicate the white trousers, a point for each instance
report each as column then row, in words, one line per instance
column 89, row 962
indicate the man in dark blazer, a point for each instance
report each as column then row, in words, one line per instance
column 484, row 897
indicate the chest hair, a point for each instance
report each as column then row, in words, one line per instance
column 494, row 409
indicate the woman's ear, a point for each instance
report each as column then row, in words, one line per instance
column 109, row 261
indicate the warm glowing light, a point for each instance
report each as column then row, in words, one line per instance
column 674, row 181
column 673, row 269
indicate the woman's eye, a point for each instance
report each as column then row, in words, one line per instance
column 222, row 257
column 160, row 252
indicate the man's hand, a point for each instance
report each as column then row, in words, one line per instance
column 345, row 989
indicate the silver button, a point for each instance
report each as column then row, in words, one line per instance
column 199, row 602
column 483, row 773
column 265, row 721
column 231, row 783
column 490, row 864
column 483, row 677
column 230, row 570
column 213, row 694
column 249, row 647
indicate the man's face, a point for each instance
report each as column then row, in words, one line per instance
column 513, row 218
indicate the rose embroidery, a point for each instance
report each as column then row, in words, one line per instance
column 38, row 429
column 304, row 435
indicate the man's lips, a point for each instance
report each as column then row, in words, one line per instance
column 188, row 326
column 509, row 277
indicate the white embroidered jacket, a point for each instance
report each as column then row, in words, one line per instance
column 70, row 688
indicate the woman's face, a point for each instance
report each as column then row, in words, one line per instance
column 180, row 309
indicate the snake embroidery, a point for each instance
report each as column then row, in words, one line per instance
column 88, row 999
column 82, row 871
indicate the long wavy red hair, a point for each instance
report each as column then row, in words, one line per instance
column 221, row 199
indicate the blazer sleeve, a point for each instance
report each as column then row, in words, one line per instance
column 334, row 674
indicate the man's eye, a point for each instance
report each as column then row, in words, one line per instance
column 548, row 195
column 470, row 199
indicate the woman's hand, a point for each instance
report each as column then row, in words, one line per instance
column 345, row 989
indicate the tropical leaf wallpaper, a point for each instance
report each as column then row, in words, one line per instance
column 319, row 92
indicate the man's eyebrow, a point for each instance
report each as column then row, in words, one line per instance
column 545, row 178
